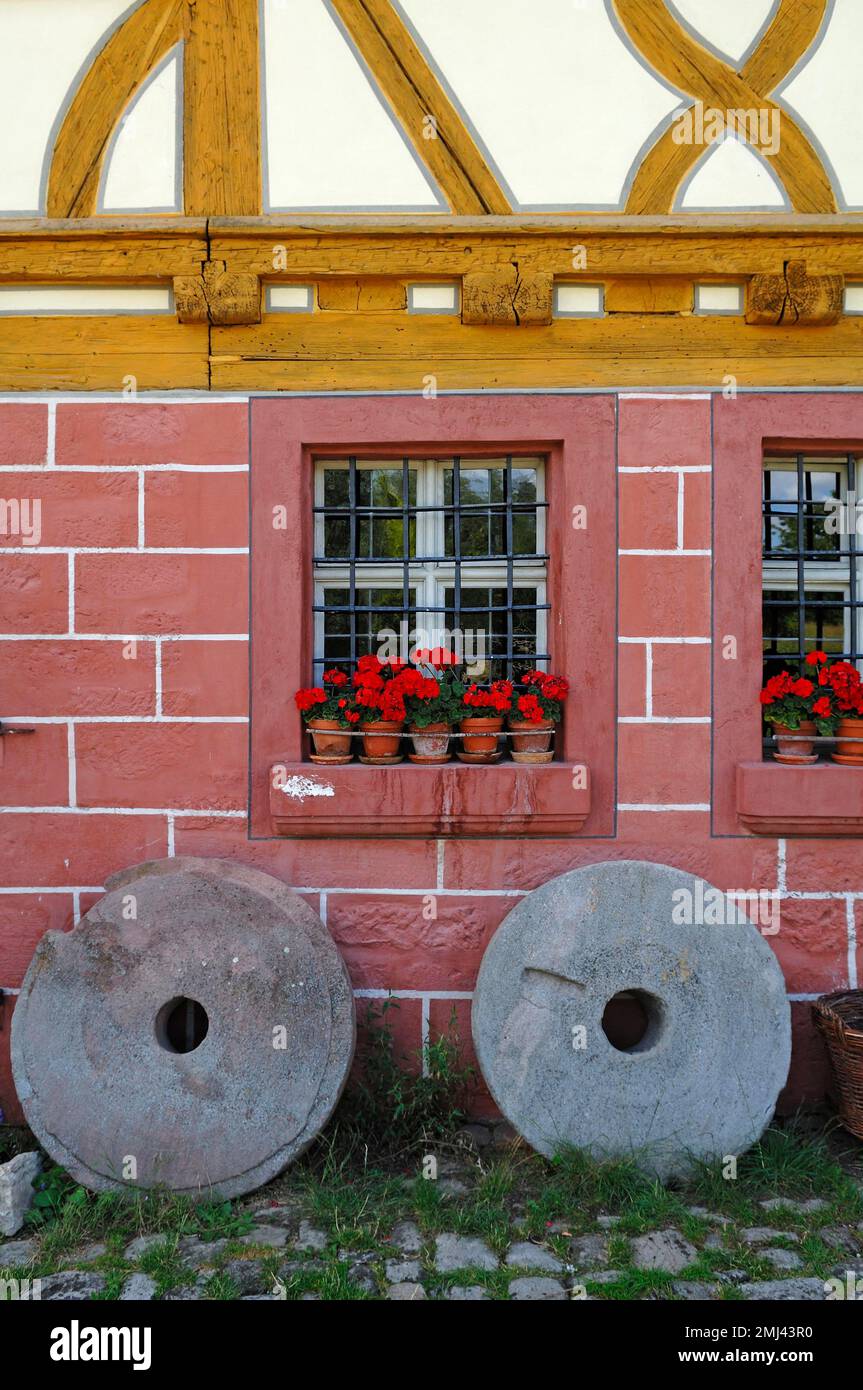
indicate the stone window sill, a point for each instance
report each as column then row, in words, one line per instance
column 357, row 801
column 821, row 799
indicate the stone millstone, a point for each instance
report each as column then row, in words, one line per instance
column 703, row 1080
column 97, row 1028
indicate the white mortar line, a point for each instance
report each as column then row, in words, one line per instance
column 76, row 906
column 667, row 641
column 414, row 892
column 141, row 528
column 668, row 468
column 852, row 941
column 413, row 993
column 143, row 467
column 73, row 767
column 425, row 1014
column 440, row 851
column 158, row 670
column 70, row 580
column 51, row 450
column 72, row 550
column 680, row 512
column 322, row 906
column 670, row 806
column 648, row 680
column 170, row 835
column 781, row 865
column 204, row 813
column 653, row 719
column 678, row 553
column 81, row 888
column 129, row 718
column 124, row 636
column 662, row 396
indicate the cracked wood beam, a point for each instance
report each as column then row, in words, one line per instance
column 109, row 84
column 414, row 92
column 794, row 297
column 507, row 296
column 218, row 296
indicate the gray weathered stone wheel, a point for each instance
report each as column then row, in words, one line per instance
column 195, row 1031
column 702, row 1079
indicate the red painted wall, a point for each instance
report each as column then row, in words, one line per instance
column 140, row 748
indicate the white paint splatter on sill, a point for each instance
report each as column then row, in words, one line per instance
column 299, row 788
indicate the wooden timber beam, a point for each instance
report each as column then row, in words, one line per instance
column 415, row 94
column 105, row 91
column 221, row 108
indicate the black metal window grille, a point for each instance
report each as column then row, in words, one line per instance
column 440, row 545
column 811, row 576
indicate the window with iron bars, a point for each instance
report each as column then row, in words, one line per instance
column 425, row 548
column 812, row 595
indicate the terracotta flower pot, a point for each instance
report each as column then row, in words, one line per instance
column 329, row 738
column 380, row 746
column 431, row 743
column 531, row 737
column 849, row 753
column 794, row 745
column 481, row 734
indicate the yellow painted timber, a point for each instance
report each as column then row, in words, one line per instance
column 101, row 249
column 80, row 353
column 399, row 351
column 648, row 295
column 221, row 105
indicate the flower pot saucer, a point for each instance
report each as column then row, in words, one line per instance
column 383, row 761
column 480, row 757
column 533, row 757
column 847, row 759
column 431, row 759
column 331, row 758
column 795, row 760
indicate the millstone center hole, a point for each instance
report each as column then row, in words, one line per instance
column 181, row 1025
column 633, row 1020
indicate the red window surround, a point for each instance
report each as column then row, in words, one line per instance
column 751, row 794
column 577, row 436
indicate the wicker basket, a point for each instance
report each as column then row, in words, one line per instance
column 839, row 1017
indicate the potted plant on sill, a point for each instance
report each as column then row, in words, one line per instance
column 537, row 709
column 432, row 701
column 799, row 708
column 483, row 712
column 329, row 714
column 379, row 695
column 846, row 689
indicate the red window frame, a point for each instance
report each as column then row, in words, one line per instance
column 577, row 435
column 751, row 795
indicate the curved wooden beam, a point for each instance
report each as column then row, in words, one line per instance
column 414, row 93
column 674, row 54
column 121, row 66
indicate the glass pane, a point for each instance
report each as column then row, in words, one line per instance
column 487, row 630
column 386, row 611
column 336, row 537
column 824, row 627
column 484, row 534
column 789, row 527
column 335, row 487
